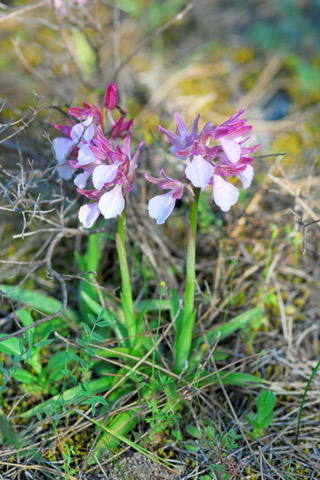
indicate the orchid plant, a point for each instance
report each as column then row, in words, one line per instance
column 207, row 157
column 104, row 172
column 107, row 174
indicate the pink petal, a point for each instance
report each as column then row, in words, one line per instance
column 161, row 206
column 111, row 96
column 85, row 155
column 104, row 174
column 231, row 148
column 224, row 193
column 88, row 214
column 62, row 147
column 112, row 203
column 199, row 171
column 246, row 176
column 182, row 128
column 81, row 180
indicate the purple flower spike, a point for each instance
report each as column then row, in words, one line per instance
column 208, row 164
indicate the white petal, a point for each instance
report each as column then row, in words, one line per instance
column 246, row 176
column 65, row 171
column 88, row 214
column 85, row 155
column 199, row 171
column 104, row 174
column 89, row 132
column 161, row 206
column 62, row 147
column 81, row 180
column 77, row 132
column 224, row 193
column 112, row 203
column 231, row 148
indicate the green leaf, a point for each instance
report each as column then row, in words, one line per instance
column 121, row 425
column 90, row 351
column 228, row 328
column 86, row 327
column 190, row 447
column 24, row 376
column 177, row 434
column 97, row 337
column 101, row 315
column 42, row 343
column 39, row 301
column 193, row 431
column 96, row 386
column 92, row 319
column 152, row 305
column 83, row 364
column 96, row 308
column 26, row 320
column 9, row 346
column 104, row 323
column 174, row 303
column 266, row 402
column 266, row 421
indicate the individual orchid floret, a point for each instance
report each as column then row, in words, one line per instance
column 121, row 128
column 111, row 96
column 110, row 204
column 88, row 111
column 118, row 159
column 230, row 134
column 78, row 134
column 161, row 206
column 183, row 139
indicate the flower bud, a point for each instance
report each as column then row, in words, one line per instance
column 111, row 96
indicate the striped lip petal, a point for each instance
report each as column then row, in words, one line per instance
column 161, row 206
column 224, row 193
column 112, row 203
column 104, row 174
column 88, row 214
column 199, row 172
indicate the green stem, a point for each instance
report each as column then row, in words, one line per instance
column 126, row 292
column 185, row 336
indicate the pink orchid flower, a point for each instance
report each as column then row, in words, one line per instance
column 208, row 164
column 161, row 206
column 230, row 134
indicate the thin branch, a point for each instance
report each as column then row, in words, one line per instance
column 21, row 11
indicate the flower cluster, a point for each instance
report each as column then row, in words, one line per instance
column 104, row 169
column 216, row 152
